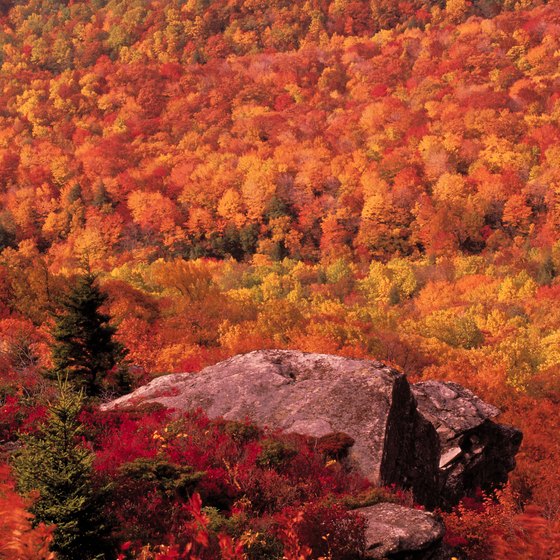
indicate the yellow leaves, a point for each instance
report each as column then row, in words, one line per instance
column 508, row 290
column 340, row 270
column 249, row 111
column 457, row 9
column 273, row 286
column 403, row 277
column 251, row 538
column 171, row 355
column 552, row 155
column 243, row 295
column 296, row 295
column 384, row 221
column 60, row 169
column 452, row 142
column 374, row 207
column 468, row 264
column 384, row 36
column 295, row 91
column 458, row 330
column 192, row 279
column 230, row 206
column 517, row 288
column 237, row 338
column 389, row 283
column 60, row 102
column 55, row 225
column 496, row 323
column 500, row 153
column 521, row 353
column 377, row 285
column 551, row 350
column 31, row 105
column 259, row 184
column 449, row 188
column 95, row 241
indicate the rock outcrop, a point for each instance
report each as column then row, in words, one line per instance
column 399, row 532
column 436, row 438
column 475, row 452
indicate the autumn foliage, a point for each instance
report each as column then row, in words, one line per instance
column 18, row 539
column 368, row 178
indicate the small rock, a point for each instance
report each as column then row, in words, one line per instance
column 394, row 531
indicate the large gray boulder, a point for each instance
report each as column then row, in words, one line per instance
column 314, row 395
column 397, row 532
column 397, row 441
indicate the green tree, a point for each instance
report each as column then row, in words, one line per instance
column 56, row 464
column 84, row 349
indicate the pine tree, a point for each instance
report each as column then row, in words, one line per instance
column 84, row 349
column 56, row 464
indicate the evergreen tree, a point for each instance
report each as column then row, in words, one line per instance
column 57, row 464
column 84, row 349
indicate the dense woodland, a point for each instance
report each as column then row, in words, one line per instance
column 366, row 178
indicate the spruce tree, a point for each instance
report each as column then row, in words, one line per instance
column 56, row 464
column 84, row 349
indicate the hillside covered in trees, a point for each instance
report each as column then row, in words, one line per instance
column 364, row 178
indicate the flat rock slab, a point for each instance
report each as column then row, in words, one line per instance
column 394, row 531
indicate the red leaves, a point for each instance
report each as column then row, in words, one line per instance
column 244, row 475
column 17, row 416
column 378, row 90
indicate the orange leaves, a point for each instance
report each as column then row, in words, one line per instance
column 17, row 538
column 230, row 207
column 22, row 345
column 457, row 9
column 187, row 150
column 293, row 550
column 530, row 535
column 338, row 142
column 153, row 211
column 192, row 279
column 259, row 184
column 475, row 521
column 517, row 214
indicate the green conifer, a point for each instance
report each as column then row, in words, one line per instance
column 84, row 349
column 57, row 465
